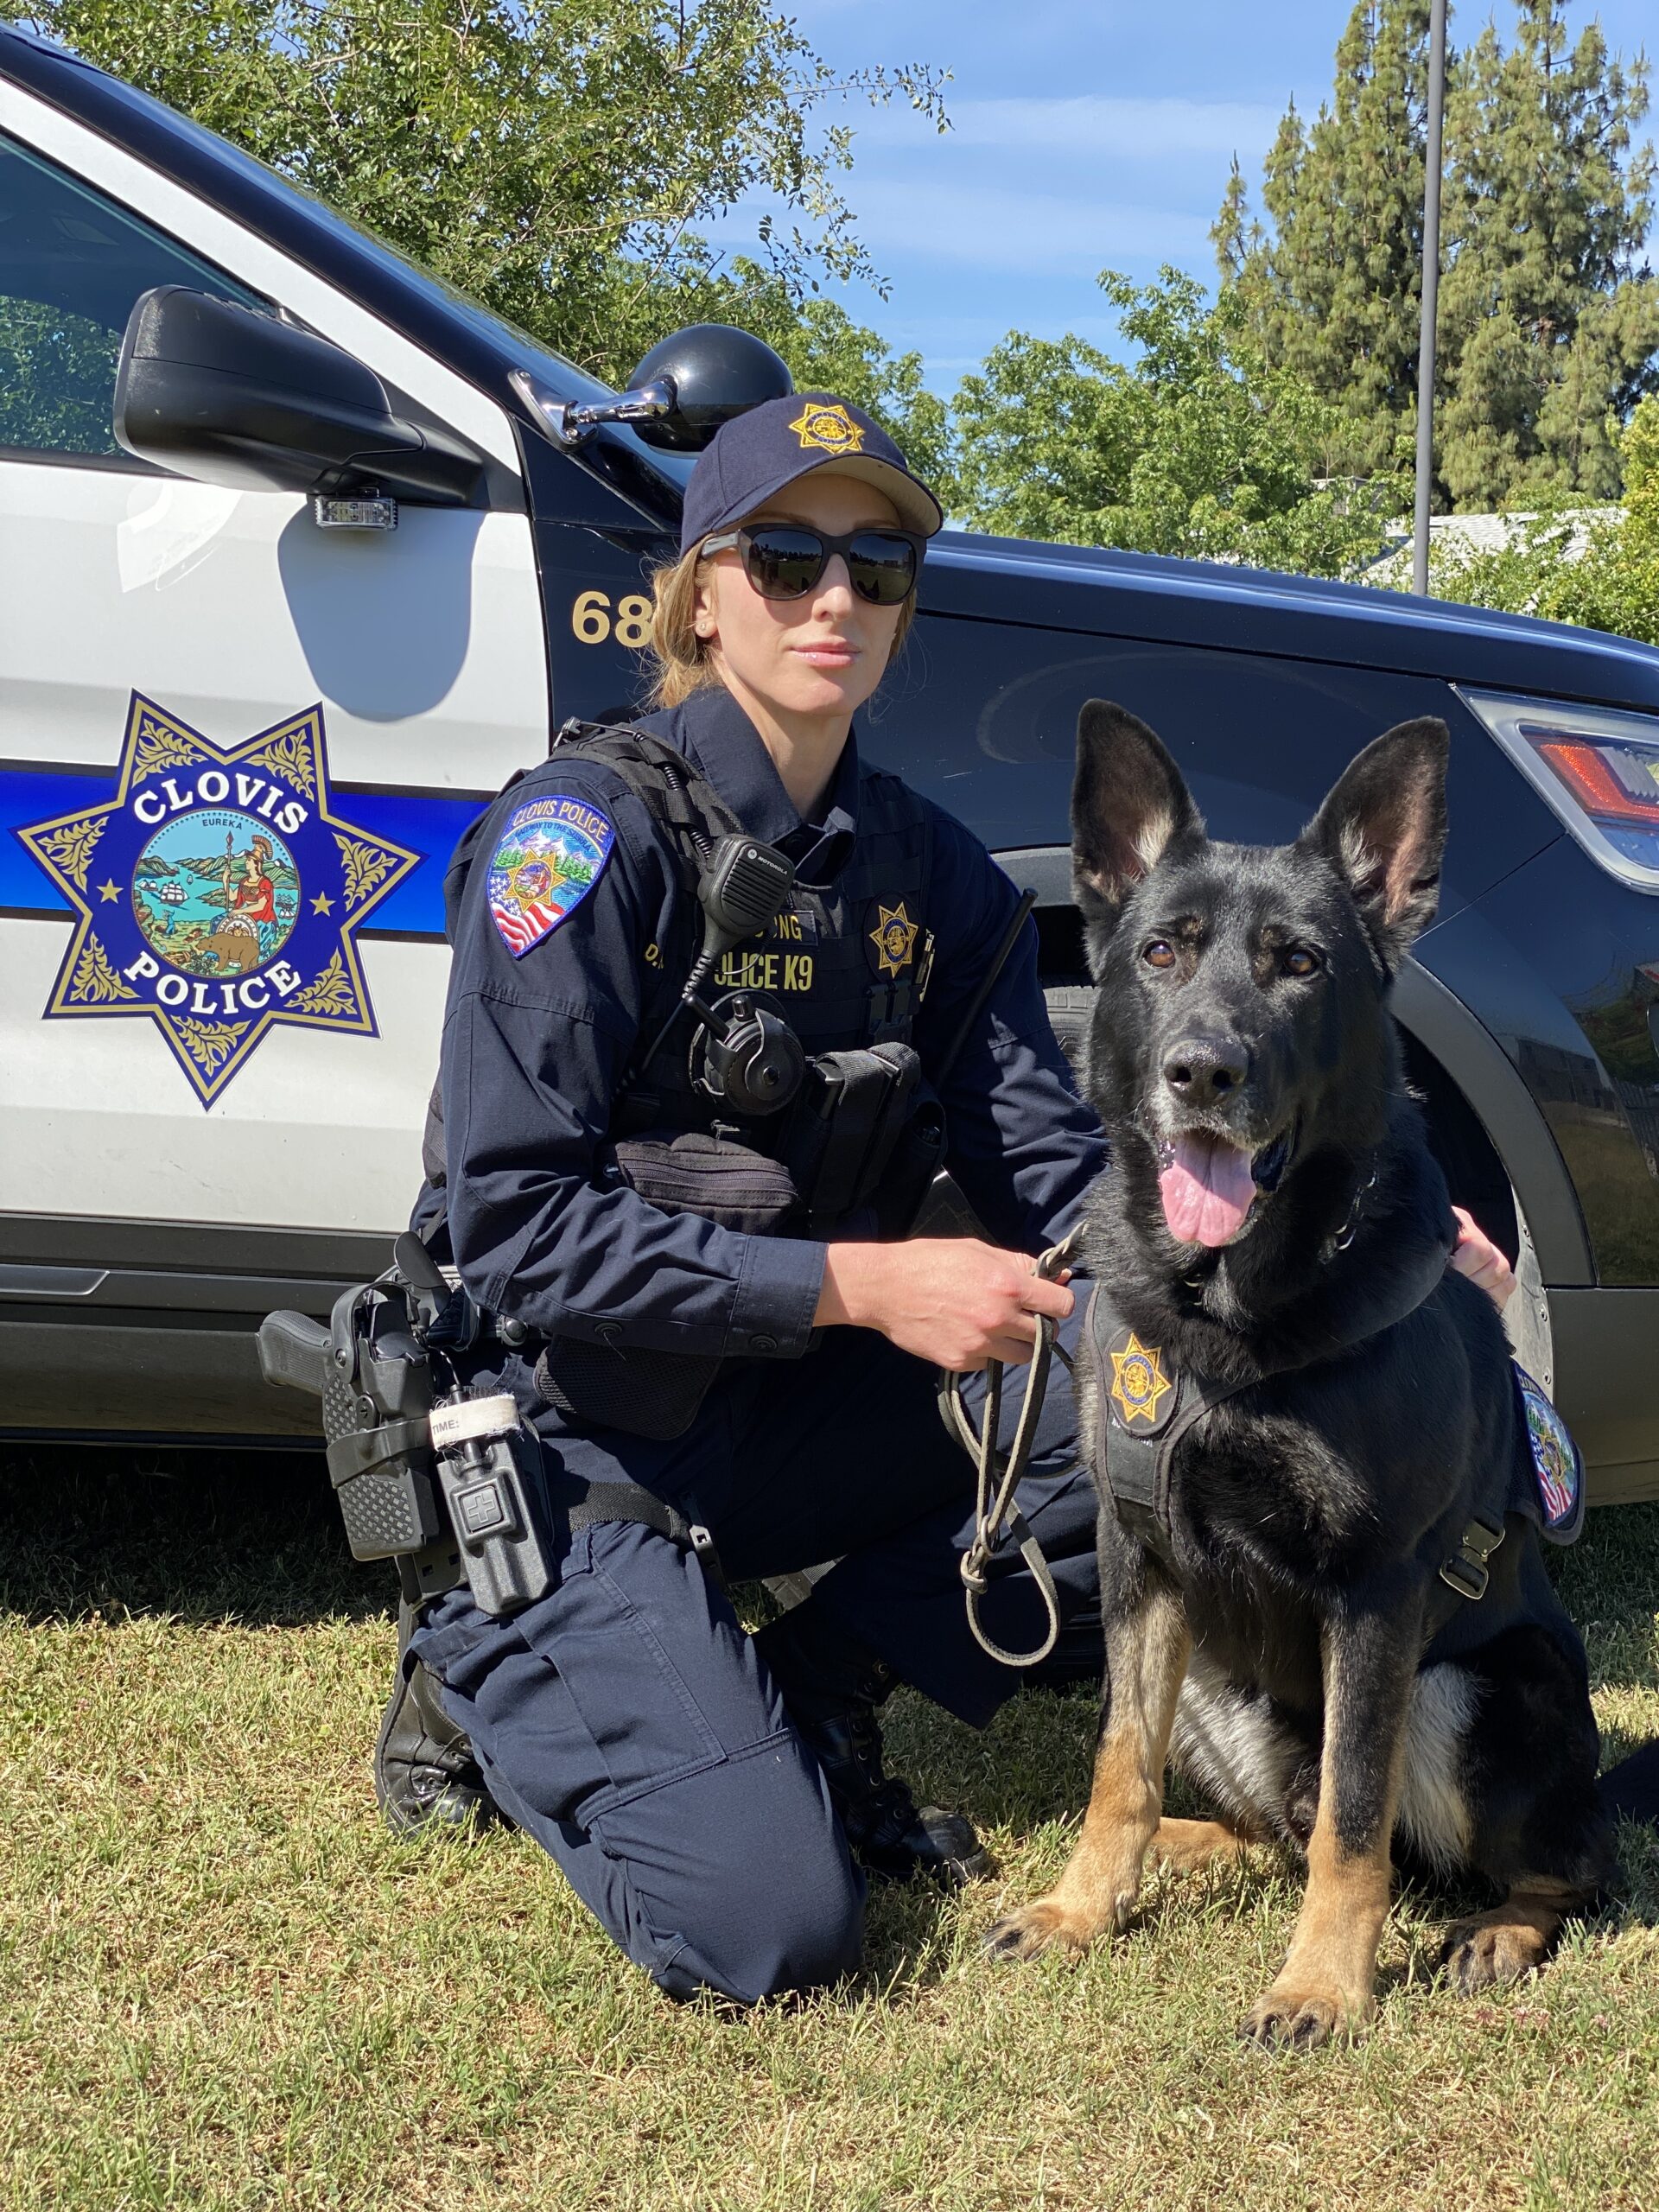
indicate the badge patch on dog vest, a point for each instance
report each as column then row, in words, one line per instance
column 549, row 856
column 1557, row 1468
column 1139, row 1383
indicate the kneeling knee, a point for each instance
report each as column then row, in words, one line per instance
column 773, row 1930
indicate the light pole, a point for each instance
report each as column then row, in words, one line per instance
column 1431, row 290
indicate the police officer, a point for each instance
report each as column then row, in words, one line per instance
column 765, row 1379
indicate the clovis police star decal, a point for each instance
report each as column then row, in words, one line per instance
column 217, row 894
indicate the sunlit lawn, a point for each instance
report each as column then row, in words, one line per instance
column 223, row 1984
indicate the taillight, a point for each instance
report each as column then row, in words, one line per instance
column 1596, row 767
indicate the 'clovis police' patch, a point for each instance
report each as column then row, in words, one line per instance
column 549, row 856
column 1557, row 1468
column 217, row 894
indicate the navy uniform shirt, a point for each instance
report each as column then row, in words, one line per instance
column 536, row 1043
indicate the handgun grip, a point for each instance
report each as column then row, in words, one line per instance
column 296, row 1351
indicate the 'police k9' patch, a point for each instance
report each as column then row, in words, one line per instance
column 549, row 856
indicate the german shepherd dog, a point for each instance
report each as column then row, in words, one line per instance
column 1291, row 1646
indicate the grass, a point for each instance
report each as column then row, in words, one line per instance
column 222, row 1984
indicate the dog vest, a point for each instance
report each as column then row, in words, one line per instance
column 1145, row 1406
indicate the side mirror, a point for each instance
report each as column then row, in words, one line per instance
column 220, row 393
column 679, row 395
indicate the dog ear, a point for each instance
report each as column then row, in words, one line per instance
column 1129, row 803
column 1384, row 824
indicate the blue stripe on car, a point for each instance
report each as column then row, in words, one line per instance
column 428, row 823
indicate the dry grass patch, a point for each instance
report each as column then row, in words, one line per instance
column 222, row 1984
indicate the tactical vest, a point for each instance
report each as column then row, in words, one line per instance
column 844, row 965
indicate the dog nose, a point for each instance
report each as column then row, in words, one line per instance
column 1205, row 1071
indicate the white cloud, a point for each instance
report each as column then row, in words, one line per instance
column 996, row 226
column 1092, row 123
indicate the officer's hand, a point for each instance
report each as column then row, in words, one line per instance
column 1478, row 1258
column 951, row 1300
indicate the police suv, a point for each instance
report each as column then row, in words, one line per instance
column 358, row 547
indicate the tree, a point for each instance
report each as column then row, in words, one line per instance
column 1197, row 448
column 1602, row 571
column 1549, row 317
column 1333, row 289
column 552, row 158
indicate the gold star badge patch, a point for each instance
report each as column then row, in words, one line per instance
column 831, row 429
column 1139, row 1382
column 893, row 938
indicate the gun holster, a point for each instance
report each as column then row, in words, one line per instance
column 438, row 1487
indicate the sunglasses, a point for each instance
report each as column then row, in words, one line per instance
column 785, row 560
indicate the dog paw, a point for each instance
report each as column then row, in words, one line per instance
column 1043, row 1926
column 1480, row 1953
column 1302, row 2020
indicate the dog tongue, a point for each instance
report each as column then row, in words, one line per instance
column 1206, row 1189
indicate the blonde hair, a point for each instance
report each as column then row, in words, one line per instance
column 682, row 659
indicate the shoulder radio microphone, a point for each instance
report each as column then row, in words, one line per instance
column 751, row 1058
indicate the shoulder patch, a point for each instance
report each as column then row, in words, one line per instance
column 547, row 858
column 1557, row 1468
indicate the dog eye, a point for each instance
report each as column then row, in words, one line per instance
column 1159, row 955
column 1300, row 961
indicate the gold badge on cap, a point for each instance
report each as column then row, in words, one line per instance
column 831, row 429
column 1139, row 1383
column 893, row 938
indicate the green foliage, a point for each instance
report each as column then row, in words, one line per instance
column 57, row 370
column 1549, row 316
column 1602, row 571
column 552, row 158
column 1331, row 291
column 1198, row 447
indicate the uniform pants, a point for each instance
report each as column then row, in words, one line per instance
column 626, row 1721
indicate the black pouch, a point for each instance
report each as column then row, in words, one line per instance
column 843, row 1128
column 702, row 1174
column 658, row 1393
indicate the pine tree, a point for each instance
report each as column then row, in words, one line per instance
column 1549, row 316
column 1548, row 319
column 1331, row 289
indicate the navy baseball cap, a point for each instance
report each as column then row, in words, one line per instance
column 752, row 457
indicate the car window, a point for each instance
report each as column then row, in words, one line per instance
column 72, row 263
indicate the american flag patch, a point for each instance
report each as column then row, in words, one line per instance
column 1557, row 1468
column 549, row 856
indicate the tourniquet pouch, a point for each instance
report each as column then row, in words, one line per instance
column 658, row 1393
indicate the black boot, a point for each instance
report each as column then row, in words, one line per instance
column 424, row 1771
column 831, row 1688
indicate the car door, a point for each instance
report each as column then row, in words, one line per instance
column 405, row 671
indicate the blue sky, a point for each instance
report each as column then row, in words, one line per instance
column 1088, row 134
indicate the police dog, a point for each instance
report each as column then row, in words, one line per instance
column 1288, row 1643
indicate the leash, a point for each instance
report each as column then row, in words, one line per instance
column 997, row 1475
